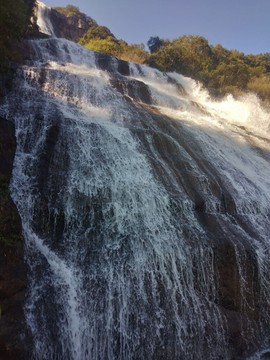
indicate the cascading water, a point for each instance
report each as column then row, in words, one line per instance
column 145, row 210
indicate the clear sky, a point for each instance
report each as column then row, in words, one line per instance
column 236, row 24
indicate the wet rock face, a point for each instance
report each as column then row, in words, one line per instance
column 238, row 300
column 71, row 28
column 12, row 268
column 239, row 292
column 7, row 146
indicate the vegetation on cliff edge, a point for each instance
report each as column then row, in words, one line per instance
column 15, row 22
column 100, row 38
column 220, row 70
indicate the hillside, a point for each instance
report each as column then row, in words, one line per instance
column 220, row 70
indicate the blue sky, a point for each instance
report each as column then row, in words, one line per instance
column 236, row 24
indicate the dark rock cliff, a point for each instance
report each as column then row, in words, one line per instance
column 12, row 267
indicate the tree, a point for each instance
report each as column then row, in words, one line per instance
column 230, row 77
column 135, row 53
column 154, row 44
column 96, row 33
column 189, row 55
column 107, row 46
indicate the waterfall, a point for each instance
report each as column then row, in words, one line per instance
column 145, row 210
column 43, row 19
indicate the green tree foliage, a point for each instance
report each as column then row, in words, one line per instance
column 100, row 38
column 228, row 76
column 219, row 69
column 188, row 55
column 14, row 23
column 261, row 86
column 106, row 46
column 154, row 44
column 134, row 52
column 97, row 33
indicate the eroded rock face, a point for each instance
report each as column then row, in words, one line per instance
column 12, row 267
column 7, row 146
column 71, row 28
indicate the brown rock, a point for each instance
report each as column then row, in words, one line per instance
column 71, row 28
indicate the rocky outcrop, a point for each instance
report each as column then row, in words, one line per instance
column 12, row 267
column 70, row 27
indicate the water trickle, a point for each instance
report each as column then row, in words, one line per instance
column 43, row 19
